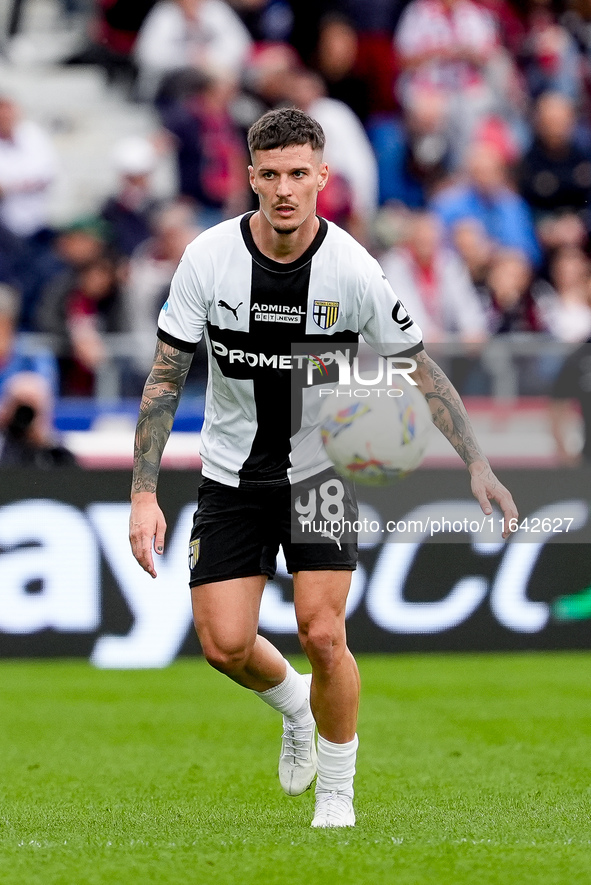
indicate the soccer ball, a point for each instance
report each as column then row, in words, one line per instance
column 378, row 439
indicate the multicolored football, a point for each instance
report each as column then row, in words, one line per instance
column 377, row 439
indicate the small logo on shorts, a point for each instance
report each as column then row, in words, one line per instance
column 194, row 553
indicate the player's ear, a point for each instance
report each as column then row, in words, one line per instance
column 322, row 176
column 251, row 179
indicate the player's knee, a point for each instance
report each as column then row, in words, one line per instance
column 323, row 642
column 229, row 659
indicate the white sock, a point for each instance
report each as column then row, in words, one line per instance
column 290, row 697
column 336, row 766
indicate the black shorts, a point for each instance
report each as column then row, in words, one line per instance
column 237, row 532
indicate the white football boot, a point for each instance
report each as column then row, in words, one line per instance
column 333, row 810
column 298, row 759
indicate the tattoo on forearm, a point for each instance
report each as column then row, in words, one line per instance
column 160, row 399
column 448, row 411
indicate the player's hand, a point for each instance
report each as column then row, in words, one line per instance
column 147, row 527
column 486, row 488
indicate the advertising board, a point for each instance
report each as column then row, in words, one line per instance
column 433, row 573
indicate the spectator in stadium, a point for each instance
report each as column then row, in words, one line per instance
column 549, row 56
column 177, row 34
column 566, row 304
column 78, row 245
column 305, row 27
column 348, row 150
column 512, row 307
column 476, row 250
column 268, row 69
column 267, row 21
column 128, row 211
column 555, row 174
column 559, row 231
column 449, row 45
column 27, row 435
column 414, row 152
column 28, row 170
column 434, row 283
column 484, row 196
column 209, row 149
column 335, row 59
column 92, row 308
column 15, row 268
column 571, row 402
column 149, row 273
column 575, row 18
column 375, row 58
column 357, row 64
column 112, row 32
column 510, row 23
column 438, row 292
column 335, row 203
column 13, row 358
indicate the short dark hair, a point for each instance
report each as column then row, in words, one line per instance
column 283, row 127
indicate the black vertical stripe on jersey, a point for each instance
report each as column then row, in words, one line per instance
column 276, row 398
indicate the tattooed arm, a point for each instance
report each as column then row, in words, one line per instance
column 157, row 410
column 450, row 416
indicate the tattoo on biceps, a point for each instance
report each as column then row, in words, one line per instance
column 157, row 410
column 449, row 414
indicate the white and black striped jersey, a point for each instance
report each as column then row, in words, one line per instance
column 260, row 318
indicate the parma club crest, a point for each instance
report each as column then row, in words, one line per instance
column 325, row 313
column 194, row 553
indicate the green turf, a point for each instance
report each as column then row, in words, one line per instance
column 472, row 769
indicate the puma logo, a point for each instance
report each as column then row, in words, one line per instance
column 233, row 309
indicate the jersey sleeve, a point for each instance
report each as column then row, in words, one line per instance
column 384, row 321
column 184, row 314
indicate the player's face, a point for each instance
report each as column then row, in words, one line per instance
column 287, row 181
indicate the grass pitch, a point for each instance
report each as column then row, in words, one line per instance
column 472, row 769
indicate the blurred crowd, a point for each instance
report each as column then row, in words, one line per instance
column 458, row 138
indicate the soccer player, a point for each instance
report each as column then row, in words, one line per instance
column 255, row 286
